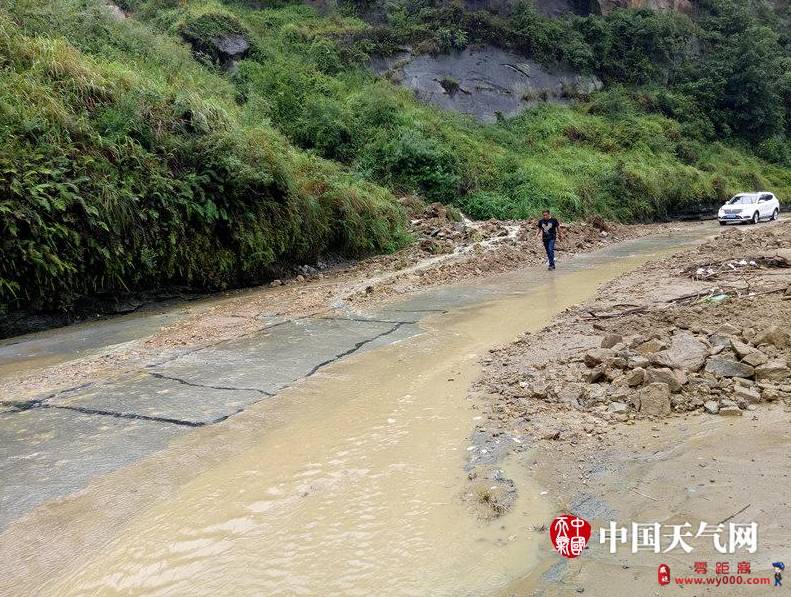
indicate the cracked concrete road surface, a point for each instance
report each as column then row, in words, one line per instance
column 366, row 411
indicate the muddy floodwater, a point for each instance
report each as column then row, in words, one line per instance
column 348, row 482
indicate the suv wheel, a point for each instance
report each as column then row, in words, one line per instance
column 775, row 213
column 756, row 218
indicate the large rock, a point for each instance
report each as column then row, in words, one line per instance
column 686, row 352
column 598, row 356
column 776, row 370
column 725, row 367
column 653, row 399
column 635, row 377
column 685, row 6
column 651, row 346
column 492, row 82
column 663, row 375
column 750, row 395
column 712, row 407
column 774, row 335
column 611, row 340
column 755, row 358
column 741, row 349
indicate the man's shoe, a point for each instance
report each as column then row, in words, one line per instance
column 551, row 267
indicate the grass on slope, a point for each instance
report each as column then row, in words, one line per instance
column 125, row 165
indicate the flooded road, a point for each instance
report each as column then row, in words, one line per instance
column 344, row 477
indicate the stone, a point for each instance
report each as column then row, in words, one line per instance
column 686, row 352
column 727, row 329
column 755, row 358
column 539, row 390
column 776, row 370
column 741, row 349
column 597, row 356
column 748, row 334
column 570, row 394
column 635, row 377
column 596, row 393
column 719, row 340
column 774, row 335
column 611, row 340
column 617, row 407
column 661, row 359
column 725, row 367
column 654, row 399
column 750, row 395
column 618, row 363
column 663, row 375
column 595, row 374
column 730, row 411
column 638, row 362
column 712, row 407
column 651, row 346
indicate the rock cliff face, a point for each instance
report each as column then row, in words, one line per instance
column 684, row 6
column 483, row 82
column 555, row 8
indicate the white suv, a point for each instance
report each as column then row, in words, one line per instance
column 750, row 208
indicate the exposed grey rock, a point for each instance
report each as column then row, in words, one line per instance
column 686, row 352
column 725, row 367
column 231, row 45
column 731, row 411
column 491, row 81
column 712, row 407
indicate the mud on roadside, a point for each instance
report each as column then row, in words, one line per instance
column 669, row 338
column 657, row 400
column 447, row 248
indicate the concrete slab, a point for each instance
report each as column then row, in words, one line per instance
column 145, row 395
column 272, row 359
column 47, row 453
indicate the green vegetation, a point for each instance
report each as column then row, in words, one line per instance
column 130, row 159
column 125, row 165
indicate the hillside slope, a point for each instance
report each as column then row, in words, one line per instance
column 209, row 143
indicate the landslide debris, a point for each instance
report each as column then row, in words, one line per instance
column 656, row 343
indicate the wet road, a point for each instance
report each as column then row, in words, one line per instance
column 319, row 455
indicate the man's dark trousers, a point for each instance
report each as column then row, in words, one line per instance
column 549, row 245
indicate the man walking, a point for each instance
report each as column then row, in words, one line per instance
column 549, row 230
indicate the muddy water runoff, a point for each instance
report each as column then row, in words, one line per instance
column 356, row 488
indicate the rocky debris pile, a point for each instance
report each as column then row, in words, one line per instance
column 723, row 371
column 735, row 253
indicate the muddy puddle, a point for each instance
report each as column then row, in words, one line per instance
column 347, row 483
